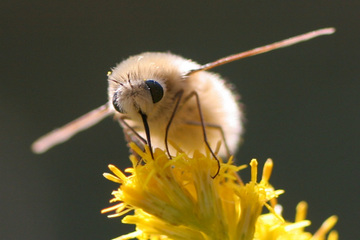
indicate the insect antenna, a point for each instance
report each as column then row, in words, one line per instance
column 115, row 81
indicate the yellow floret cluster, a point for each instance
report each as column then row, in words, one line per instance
column 178, row 199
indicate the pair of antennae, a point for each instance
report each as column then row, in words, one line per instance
column 64, row 133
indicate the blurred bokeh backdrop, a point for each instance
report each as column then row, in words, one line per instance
column 301, row 102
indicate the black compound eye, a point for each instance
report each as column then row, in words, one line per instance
column 116, row 103
column 156, row 90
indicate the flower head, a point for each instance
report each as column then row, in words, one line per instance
column 178, row 199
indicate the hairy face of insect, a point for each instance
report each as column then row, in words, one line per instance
column 145, row 84
column 145, row 88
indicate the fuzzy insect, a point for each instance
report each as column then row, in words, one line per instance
column 161, row 96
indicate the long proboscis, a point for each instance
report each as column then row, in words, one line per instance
column 62, row 134
column 267, row 48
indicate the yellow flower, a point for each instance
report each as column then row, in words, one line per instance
column 268, row 227
column 178, row 199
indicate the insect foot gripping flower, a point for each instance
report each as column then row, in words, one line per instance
column 178, row 199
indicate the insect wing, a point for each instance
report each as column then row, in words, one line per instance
column 64, row 133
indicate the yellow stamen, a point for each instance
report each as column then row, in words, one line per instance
column 325, row 227
column 254, row 170
column 116, row 207
column 268, row 166
column 117, row 172
column 301, row 211
column 111, row 177
column 333, row 235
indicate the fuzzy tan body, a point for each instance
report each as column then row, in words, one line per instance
column 218, row 104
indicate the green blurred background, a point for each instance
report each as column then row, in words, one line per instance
column 302, row 102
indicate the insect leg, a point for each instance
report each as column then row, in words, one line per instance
column 147, row 132
column 178, row 97
column 126, row 125
column 203, row 128
column 202, row 123
column 217, row 127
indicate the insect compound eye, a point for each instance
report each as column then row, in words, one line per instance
column 116, row 103
column 156, row 90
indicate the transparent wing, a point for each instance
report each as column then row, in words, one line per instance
column 266, row 48
column 64, row 133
